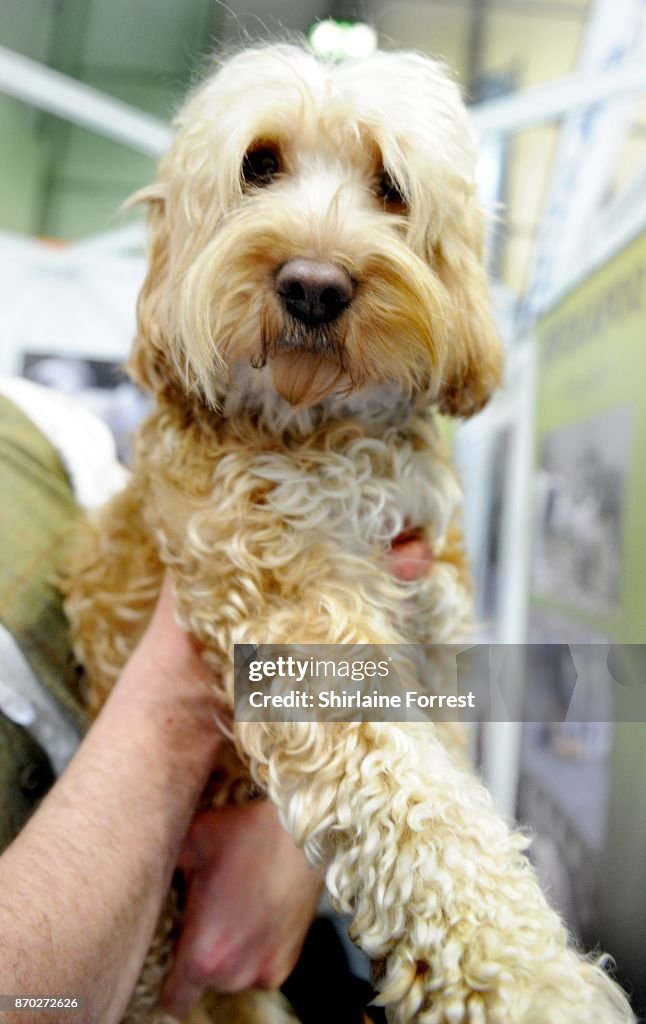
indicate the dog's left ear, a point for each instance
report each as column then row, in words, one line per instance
column 148, row 363
column 474, row 362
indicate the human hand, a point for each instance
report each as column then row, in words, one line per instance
column 251, row 898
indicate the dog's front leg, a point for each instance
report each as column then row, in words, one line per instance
column 440, row 893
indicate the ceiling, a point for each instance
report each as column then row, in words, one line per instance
column 62, row 181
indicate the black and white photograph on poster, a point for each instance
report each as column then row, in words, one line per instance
column 564, row 772
column 101, row 385
column 580, row 498
column 569, row 686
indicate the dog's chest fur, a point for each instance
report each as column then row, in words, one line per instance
column 253, row 515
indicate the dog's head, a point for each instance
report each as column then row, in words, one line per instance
column 318, row 223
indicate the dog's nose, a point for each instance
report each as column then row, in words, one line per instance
column 314, row 292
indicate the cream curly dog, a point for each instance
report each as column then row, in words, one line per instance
column 315, row 289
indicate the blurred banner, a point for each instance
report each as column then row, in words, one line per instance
column 577, row 787
column 589, row 556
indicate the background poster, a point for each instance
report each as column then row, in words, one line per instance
column 588, row 577
column 589, row 551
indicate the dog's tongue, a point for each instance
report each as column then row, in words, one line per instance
column 304, row 378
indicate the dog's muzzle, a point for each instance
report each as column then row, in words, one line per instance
column 313, row 292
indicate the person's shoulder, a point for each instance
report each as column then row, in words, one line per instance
column 83, row 442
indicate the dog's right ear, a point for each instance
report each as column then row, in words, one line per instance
column 474, row 364
column 149, row 365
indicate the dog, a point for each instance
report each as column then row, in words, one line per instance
column 315, row 295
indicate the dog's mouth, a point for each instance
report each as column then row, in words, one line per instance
column 305, row 378
column 307, row 365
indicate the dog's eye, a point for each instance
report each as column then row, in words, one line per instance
column 260, row 166
column 390, row 192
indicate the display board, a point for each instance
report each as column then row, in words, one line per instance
column 579, row 781
column 589, row 555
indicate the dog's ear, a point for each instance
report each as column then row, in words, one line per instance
column 148, row 363
column 474, row 363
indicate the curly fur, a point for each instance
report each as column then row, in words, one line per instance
column 279, row 464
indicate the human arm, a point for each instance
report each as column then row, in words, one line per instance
column 82, row 885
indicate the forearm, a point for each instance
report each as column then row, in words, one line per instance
column 82, row 885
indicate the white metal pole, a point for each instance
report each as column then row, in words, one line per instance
column 545, row 103
column 42, row 87
column 66, row 97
